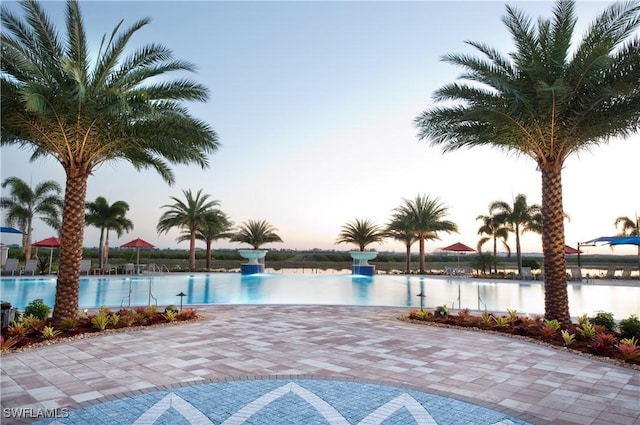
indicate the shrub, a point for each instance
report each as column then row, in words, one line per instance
column 630, row 327
column 69, row 323
column 48, row 332
column 501, row 321
column 605, row 319
column 586, row 330
column 37, row 308
column 170, row 315
column 171, row 307
column 602, row 343
column 567, row 337
column 100, row 321
column 441, row 311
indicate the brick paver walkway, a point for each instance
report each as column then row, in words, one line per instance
column 286, row 346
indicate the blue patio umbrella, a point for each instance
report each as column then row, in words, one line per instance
column 9, row 230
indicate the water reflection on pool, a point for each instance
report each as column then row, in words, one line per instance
column 345, row 289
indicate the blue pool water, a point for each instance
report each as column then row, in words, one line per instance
column 336, row 289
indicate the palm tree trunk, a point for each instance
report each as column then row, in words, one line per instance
column 408, row 259
column 556, row 299
column 101, row 249
column 495, row 256
column 71, row 240
column 518, row 251
column 192, row 251
column 208, row 255
column 421, row 243
column 105, row 254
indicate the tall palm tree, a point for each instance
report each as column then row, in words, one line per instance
column 547, row 100
column 107, row 217
column 494, row 229
column 25, row 204
column 400, row 229
column 217, row 225
column 188, row 215
column 519, row 218
column 256, row 233
column 629, row 227
column 361, row 232
column 425, row 217
column 85, row 109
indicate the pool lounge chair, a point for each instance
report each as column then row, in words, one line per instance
column 85, row 267
column 576, row 274
column 626, row 273
column 611, row 273
column 11, row 266
column 526, row 273
column 30, row 267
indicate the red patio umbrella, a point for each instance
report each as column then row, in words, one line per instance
column 458, row 248
column 50, row 243
column 137, row 243
column 570, row 250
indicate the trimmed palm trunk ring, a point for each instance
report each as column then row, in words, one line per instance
column 362, row 267
column 256, row 261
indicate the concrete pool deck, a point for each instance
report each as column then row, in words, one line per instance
column 281, row 348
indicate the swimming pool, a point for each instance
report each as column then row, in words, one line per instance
column 323, row 289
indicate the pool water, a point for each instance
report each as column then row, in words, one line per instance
column 319, row 289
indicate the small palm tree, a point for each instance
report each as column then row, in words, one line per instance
column 255, row 233
column 216, row 226
column 425, row 217
column 400, row 229
column 107, row 217
column 494, row 229
column 188, row 215
column 25, row 204
column 629, row 227
column 85, row 109
column 547, row 100
column 362, row 233
column 519, row 218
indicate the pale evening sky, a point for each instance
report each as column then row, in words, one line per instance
column 314, row 105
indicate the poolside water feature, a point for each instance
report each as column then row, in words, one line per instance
column 325, row 289
column 255, row 263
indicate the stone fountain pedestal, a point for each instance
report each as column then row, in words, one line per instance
column 253, row 266
column 362, row 267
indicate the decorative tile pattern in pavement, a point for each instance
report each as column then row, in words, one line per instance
column 281, row 402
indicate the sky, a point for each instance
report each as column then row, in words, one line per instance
column 314, row 104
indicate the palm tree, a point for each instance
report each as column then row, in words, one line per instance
column 400, row 229
column 256, row 233
column 494, row 229
column 629, row 227
column 362, row 233
column 425, row 217
column 519, row 218
column 85, row 109
column 107, row 217
column 188, row 216
column 24, row 204
column 546, row 100
column 216, row 226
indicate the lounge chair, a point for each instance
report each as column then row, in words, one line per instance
column 611, row 273
column 576, row 274
column 626, row 273
column 11, row 266
column 526, row 273
column 85, row 267
column 30, row 267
